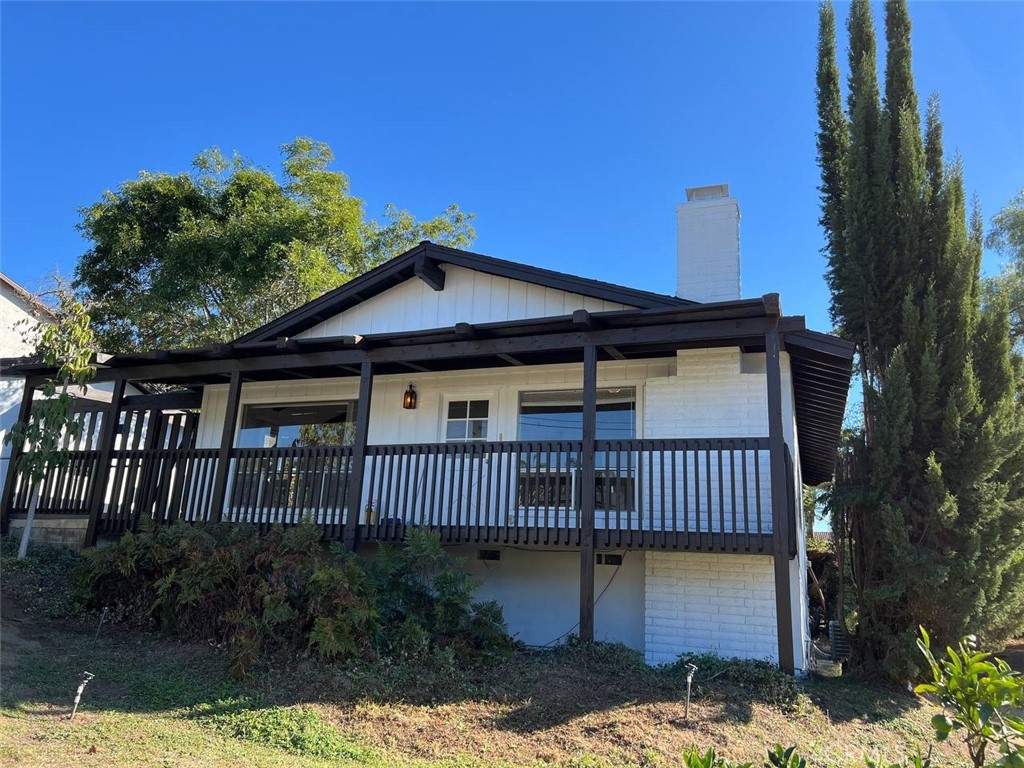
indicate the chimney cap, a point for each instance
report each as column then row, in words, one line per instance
column 711, row 192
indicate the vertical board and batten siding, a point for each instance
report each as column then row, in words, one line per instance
column 468, row 297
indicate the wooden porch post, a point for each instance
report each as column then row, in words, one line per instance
column 12, row 466
column 588, row 490
column 780, row 503
column 108, row 436
column 358, row 464
column 227, row 438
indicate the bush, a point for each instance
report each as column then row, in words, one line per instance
column 425, row 599
column 43, row 582
column 283, row 591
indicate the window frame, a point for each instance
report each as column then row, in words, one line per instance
column 350, row 402
column 468, row 395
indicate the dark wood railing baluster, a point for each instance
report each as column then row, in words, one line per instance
column 732, row 493
column 757, row 497
column 664, row 496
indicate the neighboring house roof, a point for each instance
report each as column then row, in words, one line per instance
column 26, row 296
column 423, row 261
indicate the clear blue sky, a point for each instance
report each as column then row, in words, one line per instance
column 570, row 129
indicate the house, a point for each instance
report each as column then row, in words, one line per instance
column 22, row 316
column 20, row 312
column 617, row 463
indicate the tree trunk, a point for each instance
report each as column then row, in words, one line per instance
column 30, row 517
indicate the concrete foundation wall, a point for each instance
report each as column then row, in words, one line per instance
column 67, row 531
column 540, row 593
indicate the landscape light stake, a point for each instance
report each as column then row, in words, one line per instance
column 690, row 669
column 86, row 677
column 99, row 626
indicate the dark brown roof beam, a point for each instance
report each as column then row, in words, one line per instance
column 614, row 353
column 429, row 272
column 414, row 366
column 510, row 359
column 772, row 305
column 466, row 331
column 711, row 333
column 582, row 319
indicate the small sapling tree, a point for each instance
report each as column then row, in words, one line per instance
column 982, row 697
column 68, row 344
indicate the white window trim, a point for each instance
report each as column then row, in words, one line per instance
column 493, row 404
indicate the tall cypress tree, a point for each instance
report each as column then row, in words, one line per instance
column 933, row 511
column 833, row 144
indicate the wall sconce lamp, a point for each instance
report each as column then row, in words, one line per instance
column 409, row 398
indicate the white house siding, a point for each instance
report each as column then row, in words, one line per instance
column 539, row 591
column 390, row 424
column 696, row 602
column 16, row 317
column 468, row 297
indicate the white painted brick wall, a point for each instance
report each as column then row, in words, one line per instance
column 708, row 250
column 695, row 602
column 710, row 396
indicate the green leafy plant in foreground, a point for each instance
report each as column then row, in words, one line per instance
column 979, row 693
column 298, row 730
column 785, row 757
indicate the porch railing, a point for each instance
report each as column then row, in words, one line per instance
column 699, row 494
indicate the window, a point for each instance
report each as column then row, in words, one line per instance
column 300, row 424
column 466, row 421
column 551, row 477
column 559, row 415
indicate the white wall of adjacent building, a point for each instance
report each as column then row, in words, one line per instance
column 16, row 318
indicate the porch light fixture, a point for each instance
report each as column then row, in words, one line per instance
column 409, row 398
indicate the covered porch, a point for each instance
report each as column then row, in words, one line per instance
column 154, row 457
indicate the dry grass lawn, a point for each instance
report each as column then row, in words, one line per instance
column 156, row 702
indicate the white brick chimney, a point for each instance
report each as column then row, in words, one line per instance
column 708, row 245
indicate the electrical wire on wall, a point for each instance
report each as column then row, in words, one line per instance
column 596, row 601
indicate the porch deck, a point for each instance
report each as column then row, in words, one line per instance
column 711, row 495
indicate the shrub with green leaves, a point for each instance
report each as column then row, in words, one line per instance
column 783, row 757
column 284, row 591
column 425, row 599
column 982, row 698
column 226, row 584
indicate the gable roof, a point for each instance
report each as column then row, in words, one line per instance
column 423, row 261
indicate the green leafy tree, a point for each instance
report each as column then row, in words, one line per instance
column 1006, row 237
column 69, row 345
column 203, row 257
column 929, row 505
